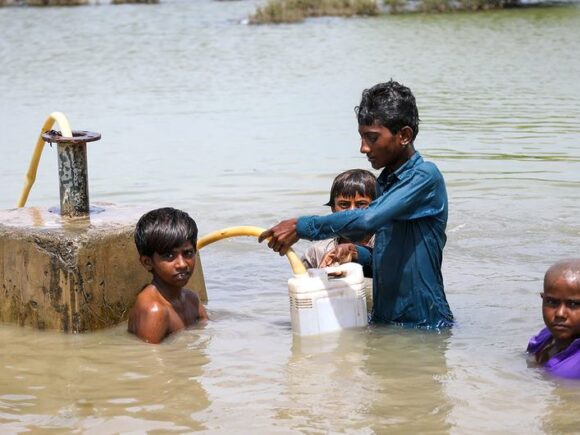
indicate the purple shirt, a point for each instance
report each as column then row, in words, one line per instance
column 565, row 364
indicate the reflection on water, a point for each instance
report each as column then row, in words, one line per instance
column 97, row 385
column 244, row 125
column 367, row 381
column 419, row 360
column 562, row 415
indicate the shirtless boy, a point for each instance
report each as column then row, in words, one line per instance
column 166, row 240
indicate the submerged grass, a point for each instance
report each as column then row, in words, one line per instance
column 291, row 11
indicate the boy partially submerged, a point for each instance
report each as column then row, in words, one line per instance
column 166, row 240
column 408, row 218
column 557, row 347
column 352, row 189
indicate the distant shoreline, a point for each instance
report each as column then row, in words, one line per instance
column 290, row 11
column 295, row 11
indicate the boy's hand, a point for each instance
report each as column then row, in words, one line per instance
column 343, row 253
column 281, row 236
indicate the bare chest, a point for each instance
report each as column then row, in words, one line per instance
column 182, row 315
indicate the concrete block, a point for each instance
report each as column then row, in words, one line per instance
column 75, row 275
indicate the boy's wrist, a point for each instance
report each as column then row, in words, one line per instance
column 353, row 252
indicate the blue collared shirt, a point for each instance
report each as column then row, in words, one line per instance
column 408, row 219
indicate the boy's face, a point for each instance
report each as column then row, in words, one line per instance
column 174, row 268
column 342, row 203
column 384, row 148
column 561, row 306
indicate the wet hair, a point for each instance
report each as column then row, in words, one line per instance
column 390, row 104
column 351, row 182
column 163, row 230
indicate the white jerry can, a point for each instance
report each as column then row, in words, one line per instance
column 321, row 303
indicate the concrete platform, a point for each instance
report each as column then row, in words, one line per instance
column 73, row 275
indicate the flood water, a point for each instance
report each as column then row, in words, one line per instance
column 244, row 125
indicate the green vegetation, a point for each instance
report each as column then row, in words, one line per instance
column 448, row 5
column 291, row 11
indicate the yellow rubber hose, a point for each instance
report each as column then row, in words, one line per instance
column 33, row 167
column 297, row 266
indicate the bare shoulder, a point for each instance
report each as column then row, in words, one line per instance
column 195, row 303
column 149, row 299
column 149, row 313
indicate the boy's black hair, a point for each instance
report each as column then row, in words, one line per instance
column 351, row 182
column 163, row 230
column 390, row 104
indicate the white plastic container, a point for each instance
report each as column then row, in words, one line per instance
column 320, row 303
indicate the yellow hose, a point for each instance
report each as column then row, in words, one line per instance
column 33, row 167
column 297, row 266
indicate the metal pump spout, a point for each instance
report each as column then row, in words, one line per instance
column 72, row 170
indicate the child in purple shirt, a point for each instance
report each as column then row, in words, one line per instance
column 557, row 347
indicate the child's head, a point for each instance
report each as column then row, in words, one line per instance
column 355, row 188
column 391, row 105
column 561, row 300
column 164, row 229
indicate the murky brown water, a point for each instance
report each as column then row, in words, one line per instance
column 245, row 125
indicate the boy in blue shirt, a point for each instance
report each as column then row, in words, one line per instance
column 408, row 217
